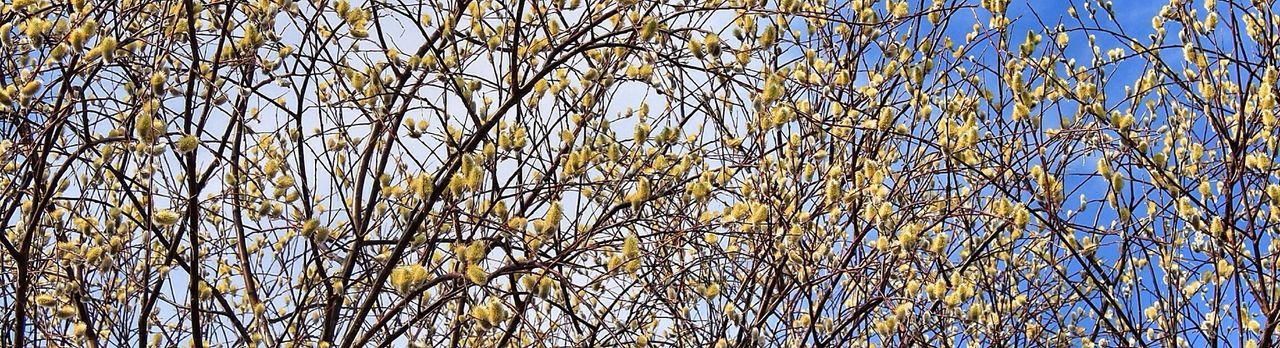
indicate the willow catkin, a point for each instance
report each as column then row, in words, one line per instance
column 165, row 218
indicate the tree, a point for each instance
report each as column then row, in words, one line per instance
column 729, row 173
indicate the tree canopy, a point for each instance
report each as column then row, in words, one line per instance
column 668, row 173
